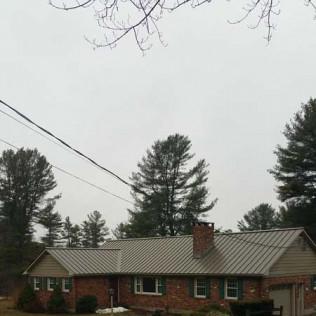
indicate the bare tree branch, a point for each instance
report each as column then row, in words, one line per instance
column 119, row 18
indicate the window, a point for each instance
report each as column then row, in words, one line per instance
column 51, row 283
column 314, row 283
column 148, row 285
column 231, row 289
column 200, row 288
column 66, row 283
column 37, row 283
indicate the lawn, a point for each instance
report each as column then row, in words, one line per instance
column 7, row 309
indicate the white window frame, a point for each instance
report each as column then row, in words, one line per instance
column 138, row 286
column 35, row 281
column 196, row 287
column 63, row 282
column 49, row 288
column 231, row 288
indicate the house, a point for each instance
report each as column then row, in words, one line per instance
column 186, row 272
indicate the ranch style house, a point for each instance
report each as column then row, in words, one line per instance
column 186, row 272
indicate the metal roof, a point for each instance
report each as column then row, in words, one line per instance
column 245, row 253
column 83, row 261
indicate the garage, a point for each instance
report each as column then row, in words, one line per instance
column 283, row 296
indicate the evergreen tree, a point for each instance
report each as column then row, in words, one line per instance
column 70, row 233
column 51, row 220
column 76, row 236
column 296, row 169
column 94, row 230
column 262, row 217
column 169, row 194
column 25, row 179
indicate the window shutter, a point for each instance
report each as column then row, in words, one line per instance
column 70, row 284
column 163, row 288
column 44, row 280
column 208, row 288
column 222, row 288
column 240, row 289
column 191, row 287
column 132, row 285
column 31, row 282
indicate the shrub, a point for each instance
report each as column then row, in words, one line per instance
column 86, row 304
column 56, row 303
column 212, row 308
column 28, row 302
column 240, row 308
column 34, row 307
column 26, row 296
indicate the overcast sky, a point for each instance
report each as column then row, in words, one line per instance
column 220, row 84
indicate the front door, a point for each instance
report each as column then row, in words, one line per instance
column 113, row 285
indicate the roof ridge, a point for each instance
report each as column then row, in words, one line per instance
column 262, row 231
column 78, row 248
column 144, row 238
column 185, row 236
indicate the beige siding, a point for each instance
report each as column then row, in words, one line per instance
column 48, row 266
column 299, row 259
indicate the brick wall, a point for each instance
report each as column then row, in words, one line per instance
column 43, row 296
column 81, row 286
column 177, row 295
column 97, row 286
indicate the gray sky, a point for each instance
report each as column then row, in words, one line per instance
column 219, row 84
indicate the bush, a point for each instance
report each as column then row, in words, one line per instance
column 86, row 304
column 34, row 307
column 56, row 303
column 28, row 302
column 212, row 308
column 239, row 308
column 26, row 296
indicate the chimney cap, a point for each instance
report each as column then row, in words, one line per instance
column 202, row 223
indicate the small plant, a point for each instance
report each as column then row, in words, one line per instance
column 56, row 303
column 86, row 304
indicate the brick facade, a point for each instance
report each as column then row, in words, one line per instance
column 94, row 285
column 177, row 295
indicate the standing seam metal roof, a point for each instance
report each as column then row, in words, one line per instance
column 246, row 253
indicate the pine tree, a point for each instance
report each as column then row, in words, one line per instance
column 295, row 170
column 52, row 221
column 169, row 192
column 94, row 230
column 262, row 217
column 70, row 233
column 25, row 179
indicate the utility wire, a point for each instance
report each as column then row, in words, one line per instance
column 75, row 177
column 66, row 144
column 256, row 243
column 46, row 137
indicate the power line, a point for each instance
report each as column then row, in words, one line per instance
column 66, row 144
column 46, row 137
column 256, row 243
column 76, row 177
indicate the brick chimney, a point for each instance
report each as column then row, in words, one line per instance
column 203, row 238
